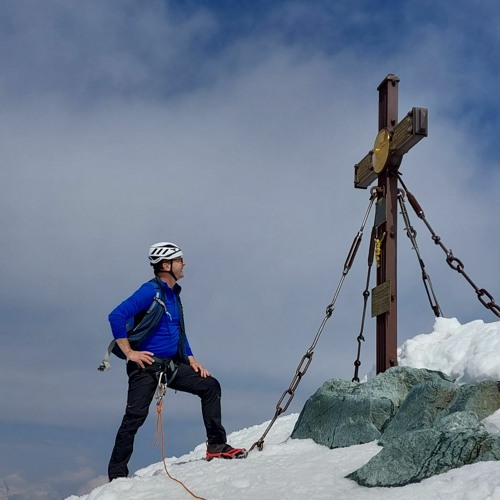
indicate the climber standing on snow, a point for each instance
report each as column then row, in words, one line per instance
column 164, row 353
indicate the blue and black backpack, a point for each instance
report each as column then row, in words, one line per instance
column 140, row 326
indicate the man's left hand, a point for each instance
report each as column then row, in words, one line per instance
column 199, row 368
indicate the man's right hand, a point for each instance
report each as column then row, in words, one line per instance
column 140, row 357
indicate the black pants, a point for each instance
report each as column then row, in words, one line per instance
column 142, row 386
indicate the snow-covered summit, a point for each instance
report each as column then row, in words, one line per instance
column 299, row 469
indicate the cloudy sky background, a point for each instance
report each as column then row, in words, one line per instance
column 232, row 129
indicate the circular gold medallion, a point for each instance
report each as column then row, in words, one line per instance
column 381, row 150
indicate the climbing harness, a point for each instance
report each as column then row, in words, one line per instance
column 289, row 393
column 482, row 294
column 159, row 396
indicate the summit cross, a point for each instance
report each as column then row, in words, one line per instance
column 392, row 142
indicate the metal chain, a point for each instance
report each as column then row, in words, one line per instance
column 412, row 235
column 453, row 261
column 366, row 294
column 289, row 393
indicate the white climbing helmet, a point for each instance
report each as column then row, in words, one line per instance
column 163, row 250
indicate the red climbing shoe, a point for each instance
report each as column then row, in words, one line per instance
column 225, row 451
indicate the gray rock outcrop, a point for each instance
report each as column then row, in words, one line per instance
column 343, row 413
column 425, row 422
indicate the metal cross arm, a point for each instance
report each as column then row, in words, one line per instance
column 390, row 146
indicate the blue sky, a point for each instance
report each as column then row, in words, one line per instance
column 232, row 129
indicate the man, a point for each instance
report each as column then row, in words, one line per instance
column 164, row 353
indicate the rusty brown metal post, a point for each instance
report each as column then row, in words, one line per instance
column 387, row 323
column 381, row 163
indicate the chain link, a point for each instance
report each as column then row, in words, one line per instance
column 303, row 366
column 366, row 294
column 454, row 262
column 412, row 235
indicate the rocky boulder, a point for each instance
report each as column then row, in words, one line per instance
column 425, row 422
column 343, row 413
column 456, row 440
column 428, row 403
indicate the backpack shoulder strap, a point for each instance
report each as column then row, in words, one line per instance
column 159, row 298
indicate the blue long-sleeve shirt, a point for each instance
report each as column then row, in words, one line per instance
column 164, row 339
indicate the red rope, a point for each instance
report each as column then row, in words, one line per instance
column 159, row 432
